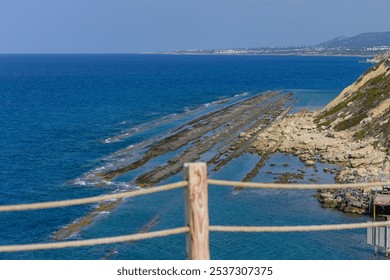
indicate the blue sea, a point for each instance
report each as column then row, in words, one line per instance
column 63, row 117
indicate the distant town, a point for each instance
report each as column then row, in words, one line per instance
column 365, row 44
column 295, row 50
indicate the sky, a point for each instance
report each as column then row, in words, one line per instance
column 129, row 26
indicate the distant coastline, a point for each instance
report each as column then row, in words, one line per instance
column 288, row 51
column 364, row 45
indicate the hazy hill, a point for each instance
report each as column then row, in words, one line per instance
column 364, row 40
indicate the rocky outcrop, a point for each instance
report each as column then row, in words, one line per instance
column 352, row 131
column 347, row 200
column 359, row 160
column 379, row 57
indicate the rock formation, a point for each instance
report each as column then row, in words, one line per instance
column 352, row 131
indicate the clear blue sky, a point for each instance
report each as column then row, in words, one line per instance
column 112, row 26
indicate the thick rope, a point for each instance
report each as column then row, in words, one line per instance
column 92, row 242
column 162, row 233
column 296, row 186
column 71, row 202
column 296, row 228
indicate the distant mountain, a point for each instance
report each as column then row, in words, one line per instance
column 364, row 40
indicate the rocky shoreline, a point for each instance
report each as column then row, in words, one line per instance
column 225, row 133
column 359, row 160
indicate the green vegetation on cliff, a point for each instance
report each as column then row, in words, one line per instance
column 364, row 107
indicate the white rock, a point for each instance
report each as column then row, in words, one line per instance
column 386, row 167
column 362, row 172
column 366, row 120
column 310, row 162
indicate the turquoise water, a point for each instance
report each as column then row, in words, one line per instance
column 59, row 115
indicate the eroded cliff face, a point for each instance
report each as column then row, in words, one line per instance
column 363, row 108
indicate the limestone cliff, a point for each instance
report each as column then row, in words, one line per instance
column 363, row 108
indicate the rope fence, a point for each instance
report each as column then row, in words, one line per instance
column 93, row 242
column 101, row 198
column 88, row 200
column 296, row 228
column 295, row 186
column 196, row 205
column 174, row 231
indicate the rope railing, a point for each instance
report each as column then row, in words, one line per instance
column 296, row 228
column 88, row 200
column 197, row 226
column 295, row 186
column 174, row 231
column 101, row 198
column 93, row 242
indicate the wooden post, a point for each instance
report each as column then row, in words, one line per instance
column 196, row 211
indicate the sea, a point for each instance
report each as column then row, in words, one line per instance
column 63, row 117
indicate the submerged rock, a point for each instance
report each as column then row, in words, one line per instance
column 310, row 162
column 348, row 201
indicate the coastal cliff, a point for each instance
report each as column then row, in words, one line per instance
column 364, row 107
column 352, row 131
column 379, row 57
